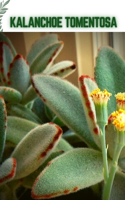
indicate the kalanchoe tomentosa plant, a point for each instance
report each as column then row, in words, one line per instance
column 83, row 167
column 29, row 138
column 36, row 156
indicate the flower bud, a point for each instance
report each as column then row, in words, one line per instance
column 120, row 99
column 100, row 99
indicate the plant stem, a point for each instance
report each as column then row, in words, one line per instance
column 104, row 152
column 108, row 185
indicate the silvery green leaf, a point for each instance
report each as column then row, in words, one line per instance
column 86, row 86
column 110, row 73
column 64, row 100
column 35, row 148
column 70, row 172
column 3, row 125
column 17, row 128
column 28, row 181
column 6, row 59
column 61, row 69
column 45, row 57
column 10, row 95
column 7, row 170
column 63, row 146
column 19, row 110
column 4, row 38
column 40, row 45
column 19, row 74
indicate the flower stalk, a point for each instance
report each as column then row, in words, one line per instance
column 119, row 123
column 109, row 183
column 104, row 153
column 100, row 99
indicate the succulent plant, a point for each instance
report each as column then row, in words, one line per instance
column 76, row 169
column 36, row 105
column 23, row 114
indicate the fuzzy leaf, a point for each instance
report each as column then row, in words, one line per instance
column 109, row 70
column 65, row 101
column 4, row 38
column 19, row 74
column 10, row 95
column 17, row 128
column 7, row 170
column 86, row 86
column 40, row 45
column 35, row 148
column 23, row 112
column 62, row 69
column 6, row 58
column 39, row 109
column 3, row 124
column 63, row 145
column 118, row 189
column 28, row 181
column 74, row 170
column 29, row 95
column 46, row 57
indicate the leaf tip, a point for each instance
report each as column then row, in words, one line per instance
column 12, row 172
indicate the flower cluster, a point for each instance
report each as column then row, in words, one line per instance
column 120, row 99
column 100, row 97
column 119, row 119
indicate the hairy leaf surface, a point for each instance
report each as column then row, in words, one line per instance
column 86, row 86
column 3, row 124
column 110, row 73
column 74, row 170
column 35, row 148
column 19, row 74
column 4, row 38
column 7, row 170
column 65, row 101
column 40, row 45
column 17, row 128
column 6, row 58
column 10, row 95
column 23, row 112
column 62, row 69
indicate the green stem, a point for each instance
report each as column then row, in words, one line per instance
column 108, row 185
column 104, row 152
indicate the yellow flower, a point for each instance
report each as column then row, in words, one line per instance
column 100, row 97
column 120, row 99
column 118, row 118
